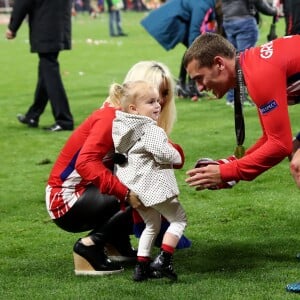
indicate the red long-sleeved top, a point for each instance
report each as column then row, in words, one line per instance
column 269, row 71
column 85, row 159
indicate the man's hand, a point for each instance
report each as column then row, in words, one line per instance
column 207, row 175
column 9, row 34
column 296, row 146
column 204, row 177
column 295, row 167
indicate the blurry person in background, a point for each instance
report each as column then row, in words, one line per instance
column 49, row 33
column 114, row 8
column 240, row 23
column 291, row 11
column 181, row 21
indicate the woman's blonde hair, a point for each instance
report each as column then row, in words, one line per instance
column 160, row 77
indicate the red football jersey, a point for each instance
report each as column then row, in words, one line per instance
column 272, row 75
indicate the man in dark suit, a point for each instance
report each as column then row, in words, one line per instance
column 49, row 33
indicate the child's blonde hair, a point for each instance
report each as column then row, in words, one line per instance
column 129, row 92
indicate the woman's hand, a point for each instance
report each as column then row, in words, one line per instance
column 134, row 200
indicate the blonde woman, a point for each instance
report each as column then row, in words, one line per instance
column 83, row 194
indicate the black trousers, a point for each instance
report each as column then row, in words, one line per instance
column 50, row 87
column 101, row 215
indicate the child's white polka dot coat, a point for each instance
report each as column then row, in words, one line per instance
column 149, row 170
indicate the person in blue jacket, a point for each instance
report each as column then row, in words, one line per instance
column 179, row 21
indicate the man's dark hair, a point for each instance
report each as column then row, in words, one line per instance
column 206, row 47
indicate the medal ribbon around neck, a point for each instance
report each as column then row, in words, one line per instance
column 239, row 97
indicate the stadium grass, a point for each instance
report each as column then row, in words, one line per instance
column 244, row 239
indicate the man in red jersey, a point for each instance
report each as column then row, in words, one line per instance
column 271, row 73
column 213, row 62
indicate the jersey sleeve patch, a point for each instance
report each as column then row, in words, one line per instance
column 271, row 105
